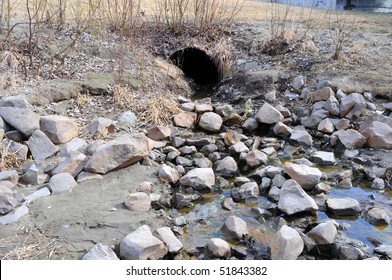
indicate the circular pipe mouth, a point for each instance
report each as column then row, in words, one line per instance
column 197, row 65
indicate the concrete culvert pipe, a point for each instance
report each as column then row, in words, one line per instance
column 197, row 65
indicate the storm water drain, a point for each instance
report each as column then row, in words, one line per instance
column 197, row 65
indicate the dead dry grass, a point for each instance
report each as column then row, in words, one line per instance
column 35, row 246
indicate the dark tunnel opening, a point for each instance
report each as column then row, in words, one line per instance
column 197, row 65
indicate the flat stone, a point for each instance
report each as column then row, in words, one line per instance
column 24, row 120
column 100, row 252
column 142, row 245
column 185, row 120
column 385, row 250
column 11, row 175
column 201, row 179
column 323, row 158
column 43, row 192
column 168, row 174
column 219, row 248
column 226, row 167
column 211, row 122
column 269, row 115
column 343, row 206
column 159, row 132
column 62, row 182
column 174, row 245
column 73, row 164
column 287, row 244
column 87, row 176
column 235, row 228
column 101, row 126
column 293, row 199
column 378, row 216
column 139, row 201
column 16, row 101
column 118, row 153
column 307, row 177
column 59, row 129
column 324, row 233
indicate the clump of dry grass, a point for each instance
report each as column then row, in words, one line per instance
column 36, row 246
column 9, row 69
column 223, row 58
column 149, row 107
column 10, row 159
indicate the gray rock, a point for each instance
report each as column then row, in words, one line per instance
column 226, row 167
column 282, row 130
column 385, row 250
column 145, row 187
column 35, row 174
column 73, row 164
column 100, row 252
column 211, row 122
column 250, row 124
column 17, row 117
column 269, row 115
column 142, row 245
column 343, row 206
column 256, row 158
column 378, row 135
column 228, row 203
column 378, row 184
column 118, row 153
column 293, row 199
column 40, row 146
column 235, row 228
column 378, row 216
column 201, row 179
column 86, row 176
column 76, row 144
column 174, row 245
column 16, row 101
column 270, row 96
column 127, row 119
column 168, row 174
column 62, row 182
column 101, row 126
column 351, row 139
column 202, row 162
column 159, row 132
column 37, row 195
column 322, row 94
column 274, row 194
column 224, row 110
column 323, row 158
column 218, row 248
column 300, row 135
column 287, row 244
column 332, row 105
column 139, row 201
column 8, row 202
column 231, row 137
column 322, row 188
column 247, row 192
column 59, row 129
column 182, row 161
column 307, row 177
column 14, row 215
column 188, row 150
column 352, row 105
column 326, row 126
column 298, row 83
column 238, row 148
column 341, row 124
column 346, row 248
column 11, row 176
column 188, row 107
column 185, row 120
column 278, row 180
column 324, row 233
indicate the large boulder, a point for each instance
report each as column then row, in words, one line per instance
column 287, row 244
column 59, row 129
column 351, row 139
column 201, row 179
column 142, row 245
column 118, row 153
column 269, row 115
column 308, row 177
column 24, row 120
column 293, row 199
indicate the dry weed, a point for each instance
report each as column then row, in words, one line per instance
column 36, row 246
column 9, row 69
column 223, row 58
column 10, row 159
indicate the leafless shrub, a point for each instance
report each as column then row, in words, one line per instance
column 339, row 29
column 9, row 68
column 223, row 58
